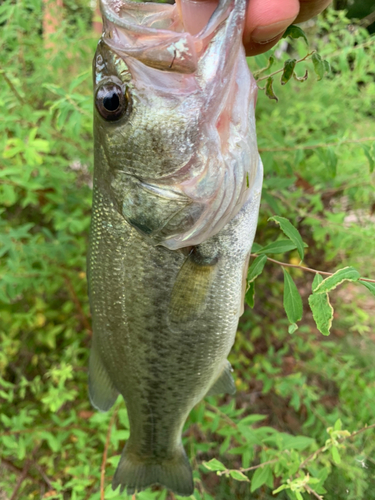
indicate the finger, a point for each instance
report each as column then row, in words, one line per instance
column 311, row 8
column 266, row 22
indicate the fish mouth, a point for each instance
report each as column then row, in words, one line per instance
column 164, row 36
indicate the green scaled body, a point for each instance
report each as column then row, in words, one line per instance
column 175, row 207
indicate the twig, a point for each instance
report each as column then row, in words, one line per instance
column 134, row 497
column 323, row 448
column 254, row 467
column 366, row 21
column 24, row 474
column 77, row 303
column 223, row 415
column 282, row 69
column 312, row 492
column 12, row 87
column 315, row 146
column 308, row 269
column 105, row 451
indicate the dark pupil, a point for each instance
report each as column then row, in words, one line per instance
column 111, row 102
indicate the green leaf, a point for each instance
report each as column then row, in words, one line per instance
column 292, row 328
column 239, row 476
column 370, row 286
column 249, row 296
column 321, row 308
column 260, row 477
column 292, row 299
column 288, row 71
column 369, row 156
column 318, row 65
column 256, row 268
column 329, row 158
column 255, row 248
column 214, row 465
column 279, row 246
column 269, row 89
column 345, row 274
column 296, row 442
column 338, row 425
column 291, row 232
column 336, row 455
column 294, row 31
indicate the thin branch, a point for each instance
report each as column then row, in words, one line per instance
column 24, row 474
column 323, row 448
column 320, row 145
column 366, row 21
column 254, row 467
column 134, row 497
column 312, row 492
column 308, row 269
column 105, row 452
column 12, row 87
column 223, row 415
column 282, row 69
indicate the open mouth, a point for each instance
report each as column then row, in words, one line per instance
column 169, row 37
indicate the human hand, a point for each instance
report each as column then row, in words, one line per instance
column 267, row 20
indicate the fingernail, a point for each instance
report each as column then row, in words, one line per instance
column 265, row 34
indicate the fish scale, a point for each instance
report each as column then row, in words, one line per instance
column 175, row 208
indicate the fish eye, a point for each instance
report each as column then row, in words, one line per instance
column 111, row 101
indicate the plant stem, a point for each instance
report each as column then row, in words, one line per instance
column 105, row 452
column 282, row 69
column 308, row 269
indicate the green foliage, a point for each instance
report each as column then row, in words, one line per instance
column 292, row 430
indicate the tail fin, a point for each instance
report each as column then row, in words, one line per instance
column 135, row 475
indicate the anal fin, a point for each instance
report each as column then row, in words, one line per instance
column 102, row 392
column 224, row 384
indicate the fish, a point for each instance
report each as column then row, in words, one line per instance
column 176, row 190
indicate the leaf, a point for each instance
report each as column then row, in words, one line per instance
column 296, row 442
column 279, row 246
column 292, row 328
column 336, row 455
column 239, row 476
column 329, row 158
column 292, row 299
column 255, row 248
column 318, row 65
column 249, row 296
column 288, row 70
column 214, row 465
column 260, row 477
column 294, row 31
column 368, row 154
column 330, row 283
column 369, row 286
column 269, row 89
column 338, row 425
column 321, row 308
column 256, row 268
column 291, row 232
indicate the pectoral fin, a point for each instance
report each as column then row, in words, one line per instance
column 102, row 392
column 191, row 290
column 224, row 384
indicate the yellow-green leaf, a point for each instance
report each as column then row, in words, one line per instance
column 330, row 283
column 321, row 308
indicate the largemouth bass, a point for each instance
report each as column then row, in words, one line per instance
column 177, row 184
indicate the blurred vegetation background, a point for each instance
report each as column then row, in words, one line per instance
column 317, row 145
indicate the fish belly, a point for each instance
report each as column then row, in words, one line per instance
column 164, row 322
